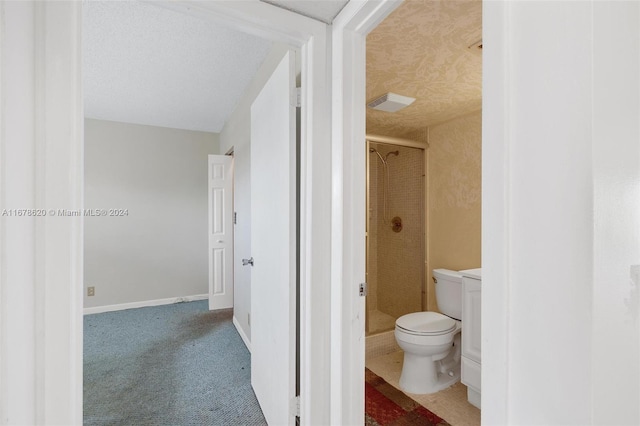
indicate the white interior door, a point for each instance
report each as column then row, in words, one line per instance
column 220, row 232
column 273, row 244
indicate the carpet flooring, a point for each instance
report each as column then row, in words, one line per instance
column 176, row 364
column 388, row 406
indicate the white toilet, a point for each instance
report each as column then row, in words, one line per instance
column 431, row 341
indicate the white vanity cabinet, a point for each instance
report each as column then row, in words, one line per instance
column 471, row 317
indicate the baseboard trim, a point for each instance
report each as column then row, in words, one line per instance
column 144, row 303
column 244, row 337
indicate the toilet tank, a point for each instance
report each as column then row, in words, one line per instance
column 449, row 292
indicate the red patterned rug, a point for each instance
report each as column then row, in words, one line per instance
column 385, row 405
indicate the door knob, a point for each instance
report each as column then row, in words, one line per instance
column 246, row 262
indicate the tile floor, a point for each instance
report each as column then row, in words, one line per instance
column 451, row 404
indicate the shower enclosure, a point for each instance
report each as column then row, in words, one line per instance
column 395, row 231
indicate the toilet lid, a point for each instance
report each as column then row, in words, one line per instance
column 427, row 323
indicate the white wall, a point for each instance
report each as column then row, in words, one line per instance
column 616, row 194
column 236, row 134
column 561, row 213
column 159, row 250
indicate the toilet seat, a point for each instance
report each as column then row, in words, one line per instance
column 426, row 324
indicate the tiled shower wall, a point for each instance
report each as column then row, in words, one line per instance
column 396, row 259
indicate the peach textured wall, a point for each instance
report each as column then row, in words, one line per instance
column 454, row 215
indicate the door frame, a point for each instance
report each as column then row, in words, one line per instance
column 348, row 247
column 350, row 29
column 56, row 157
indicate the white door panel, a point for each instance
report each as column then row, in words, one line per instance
column 273, row 244
column 220, row 232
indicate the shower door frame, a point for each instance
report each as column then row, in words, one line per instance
column 424, row 146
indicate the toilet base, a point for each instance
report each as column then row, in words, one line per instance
column 421, row 375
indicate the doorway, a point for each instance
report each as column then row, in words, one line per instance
column 61, row 319
column 424, row 83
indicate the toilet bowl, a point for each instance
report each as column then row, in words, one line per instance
column 431, row 341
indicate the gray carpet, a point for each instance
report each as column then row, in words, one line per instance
column 168, row 365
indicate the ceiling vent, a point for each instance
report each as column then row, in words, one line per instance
column 390, row 102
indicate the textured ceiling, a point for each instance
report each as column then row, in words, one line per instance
column 422, row 50
column 321, row 10
column 149, row 65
